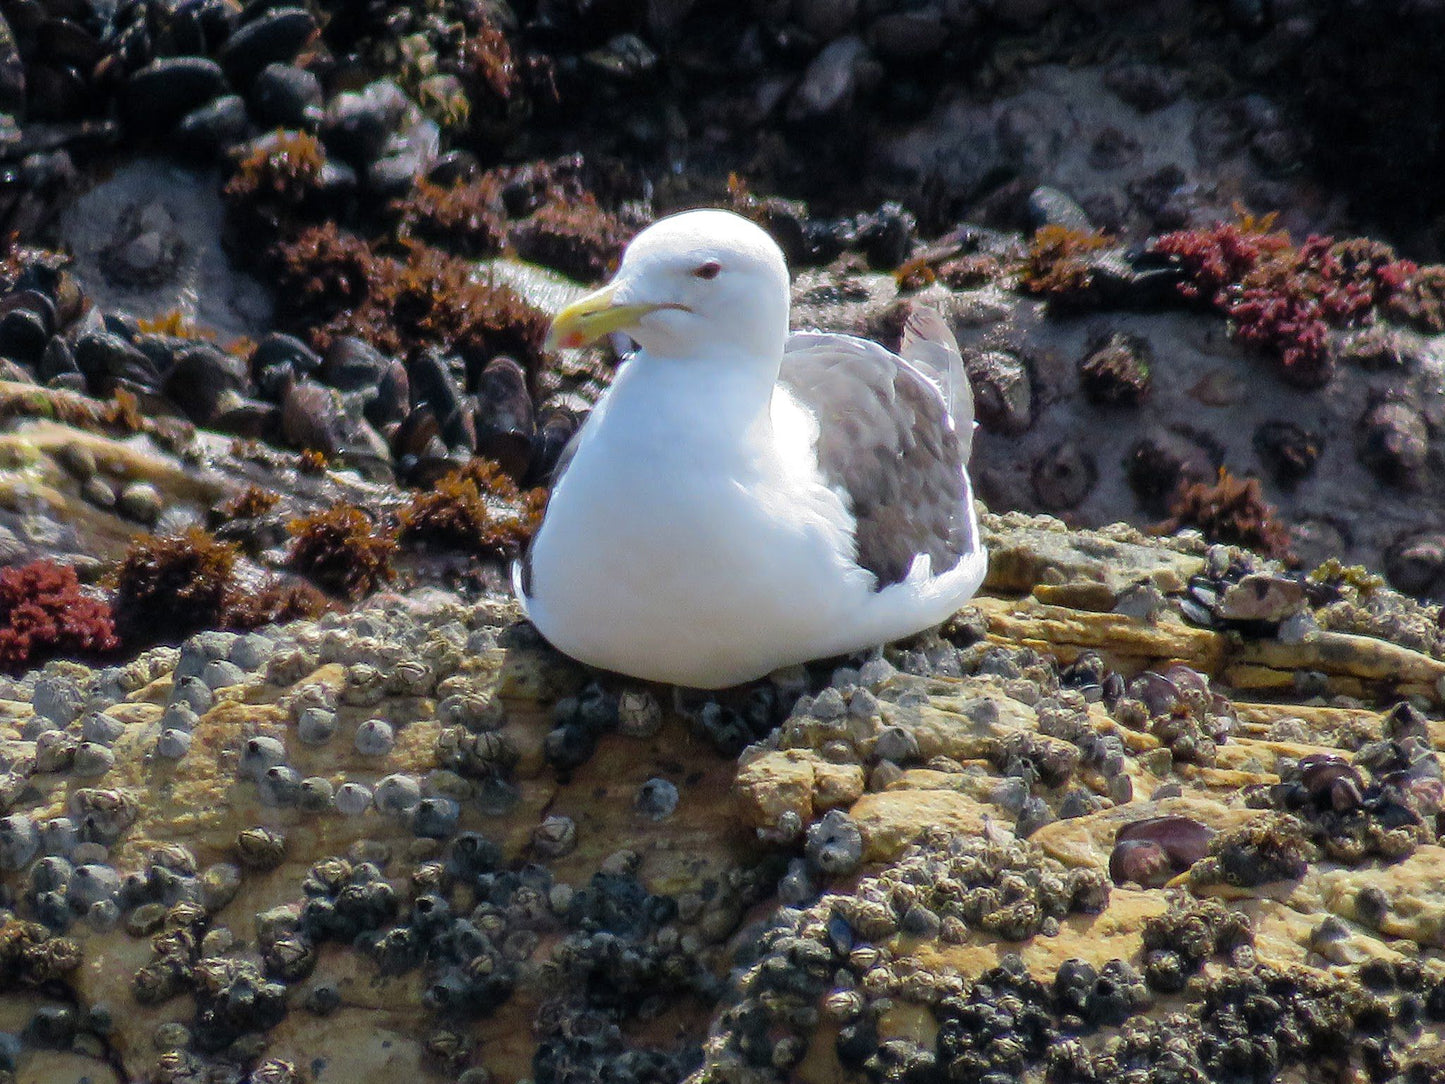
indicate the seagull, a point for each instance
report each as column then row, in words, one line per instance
column 744, row 499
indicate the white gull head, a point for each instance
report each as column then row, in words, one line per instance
column 704, row 283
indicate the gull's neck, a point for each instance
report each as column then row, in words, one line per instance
column 717, row 392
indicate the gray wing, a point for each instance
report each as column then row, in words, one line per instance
column 888, row 442
column 929, row 344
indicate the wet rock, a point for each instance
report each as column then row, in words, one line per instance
column 162, row 92
column 146, row 248
column 1063, row 477
column 356, row 126
column 274, row 37
column 1392, row 441
column 825, row 19
column 504, row 423
column 287, row 97
column 1146, row 87
column 1002, row 389
column 141, row 502
column 313, row 418
column 210, row 129
column 831, row 80
column 203, row 379
column 1049, row 206
column 109, row 362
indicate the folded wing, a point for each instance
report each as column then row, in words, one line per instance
column 889, row 443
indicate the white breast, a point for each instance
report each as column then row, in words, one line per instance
column 675, row 551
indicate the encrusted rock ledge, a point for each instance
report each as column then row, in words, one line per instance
column 1148, row 809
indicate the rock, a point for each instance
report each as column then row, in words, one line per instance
column 287, row 97
column 313, row 419
column 161, row 93
column 1262, row 597
column 206, row 131
column 141, row 502
column 200, row 378
column 274, row 37
column 505, row 429
column 356, row 126
column 831, row 80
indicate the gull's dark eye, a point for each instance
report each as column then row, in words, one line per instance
column 707, row 270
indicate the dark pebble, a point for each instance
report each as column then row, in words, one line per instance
column 164, row 91
column 504, row 421
column 276, row 37
column 210, row 129
column 287, row 97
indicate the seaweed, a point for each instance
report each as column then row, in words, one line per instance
column 343, row 550
column 44, row 612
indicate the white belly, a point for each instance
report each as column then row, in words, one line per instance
column 674, row 572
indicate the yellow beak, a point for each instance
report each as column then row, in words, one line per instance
column 589, row 318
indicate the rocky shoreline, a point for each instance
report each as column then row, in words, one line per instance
column 411, row 838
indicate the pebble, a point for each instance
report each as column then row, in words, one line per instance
column 141, row 501
column 99, row 492
column 352, row 799
column 656, row 799
column 375, row 738
column 173, row 743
